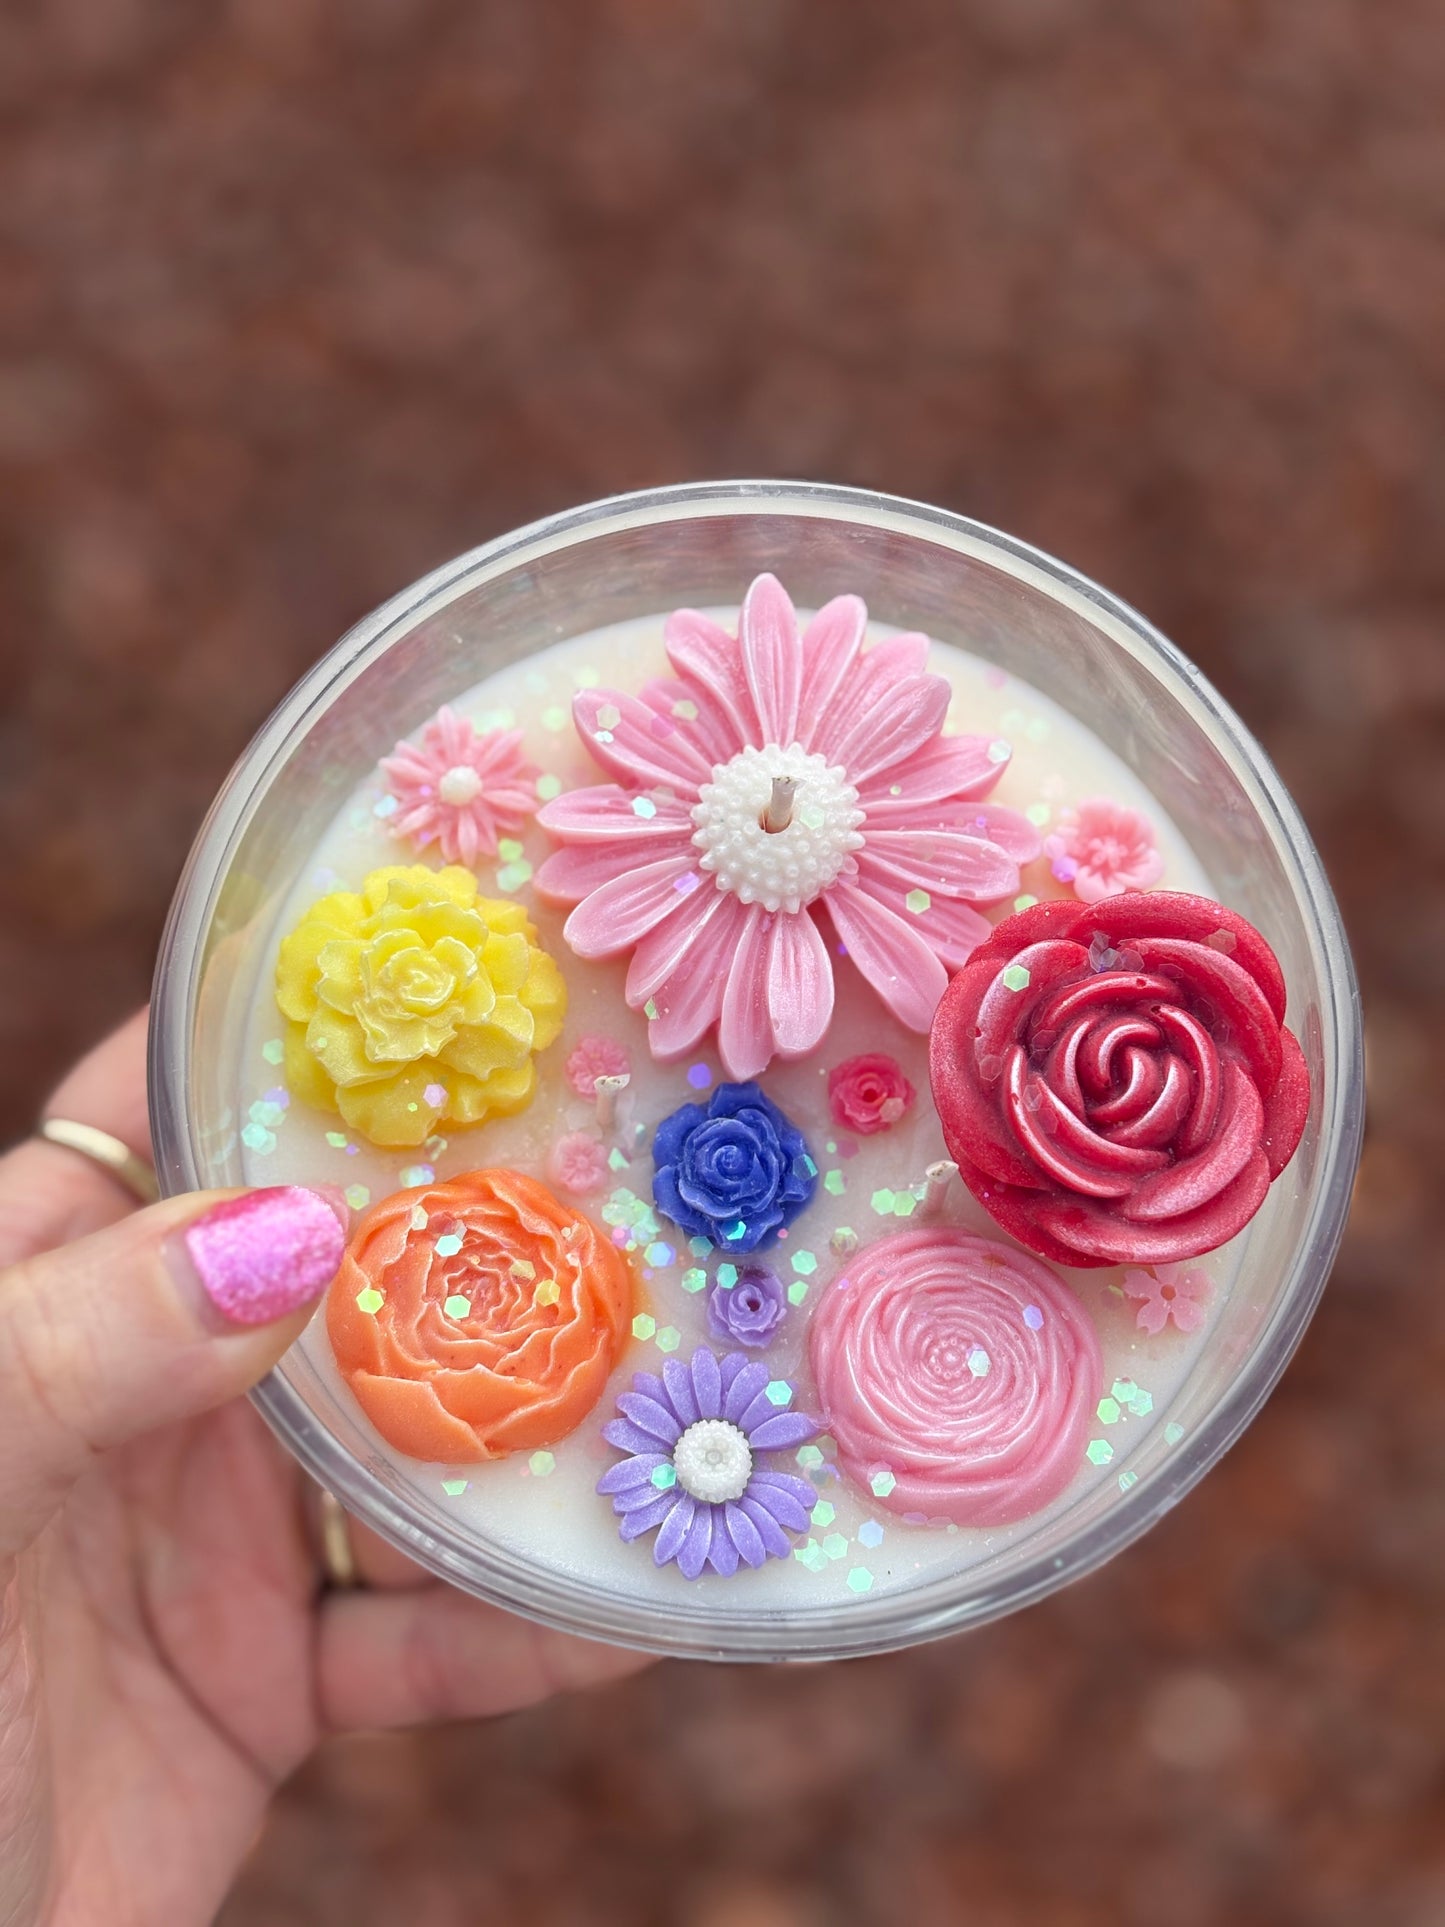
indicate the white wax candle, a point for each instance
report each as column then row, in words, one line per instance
column 542, row 1506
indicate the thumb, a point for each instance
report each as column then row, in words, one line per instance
column 163, row 1316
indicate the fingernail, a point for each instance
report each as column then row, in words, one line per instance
column 265, row 1254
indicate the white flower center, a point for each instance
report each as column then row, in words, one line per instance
column 713, row 1461
column 460, row 786
column 780, row 869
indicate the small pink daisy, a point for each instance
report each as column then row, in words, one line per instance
column 459, row 790
column 776, row 776
column 1169, row 1291
column 1104, row 849
column 578, row 1163
column 594, row 1057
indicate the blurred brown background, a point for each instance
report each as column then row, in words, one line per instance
column 298, row 297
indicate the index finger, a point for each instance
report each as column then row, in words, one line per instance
column 50, row 1194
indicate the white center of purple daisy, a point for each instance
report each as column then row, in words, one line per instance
column 713, row 1461
column 780, row 869
column 459, row 786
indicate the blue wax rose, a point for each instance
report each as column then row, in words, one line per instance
column 733, row 1172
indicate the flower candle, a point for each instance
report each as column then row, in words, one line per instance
column 794, row 1053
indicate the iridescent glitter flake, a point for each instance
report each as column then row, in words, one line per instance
column 634, row 1222
column 541, row 1463
column 1132, row 1397
column 454, row 1488
column 265, row 1117
column 860, row 1579
column 870, row 1533
column 1099, row 1451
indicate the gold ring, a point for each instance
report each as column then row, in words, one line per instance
column 338, row 1555
column 108, row 1152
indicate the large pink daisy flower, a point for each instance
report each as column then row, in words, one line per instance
column 682, row 862
column 459, row 790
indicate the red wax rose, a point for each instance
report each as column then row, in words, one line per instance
column 868, row 1093
column 1115, row 1080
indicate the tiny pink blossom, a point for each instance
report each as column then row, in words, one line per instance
column 594, row 1057
column 1169, row 1291
column 459, row 790
column 868, row 1093
column 1104, row 849
column 787, row 795
column 578, row 1163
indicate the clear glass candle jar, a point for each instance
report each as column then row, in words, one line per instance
column 919, row 568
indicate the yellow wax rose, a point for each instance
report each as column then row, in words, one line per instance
column 416, row 1002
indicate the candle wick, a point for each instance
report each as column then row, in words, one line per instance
column 779, row 813
column 608, row 1089
column 938, row 1182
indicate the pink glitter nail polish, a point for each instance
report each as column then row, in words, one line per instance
column 263, row 1255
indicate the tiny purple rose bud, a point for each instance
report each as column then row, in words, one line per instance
column 750, row 1311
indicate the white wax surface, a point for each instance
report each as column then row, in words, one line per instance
column 547, row 1511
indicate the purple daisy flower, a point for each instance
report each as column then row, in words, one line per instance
column 692, row 1439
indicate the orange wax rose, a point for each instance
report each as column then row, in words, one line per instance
column 478, row 1317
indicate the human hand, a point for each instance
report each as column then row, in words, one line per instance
column 168, row 1651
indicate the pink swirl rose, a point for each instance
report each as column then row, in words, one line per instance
column 958, row 1377
column 868, row 1093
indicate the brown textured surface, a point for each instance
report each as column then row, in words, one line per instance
column 298, row 297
